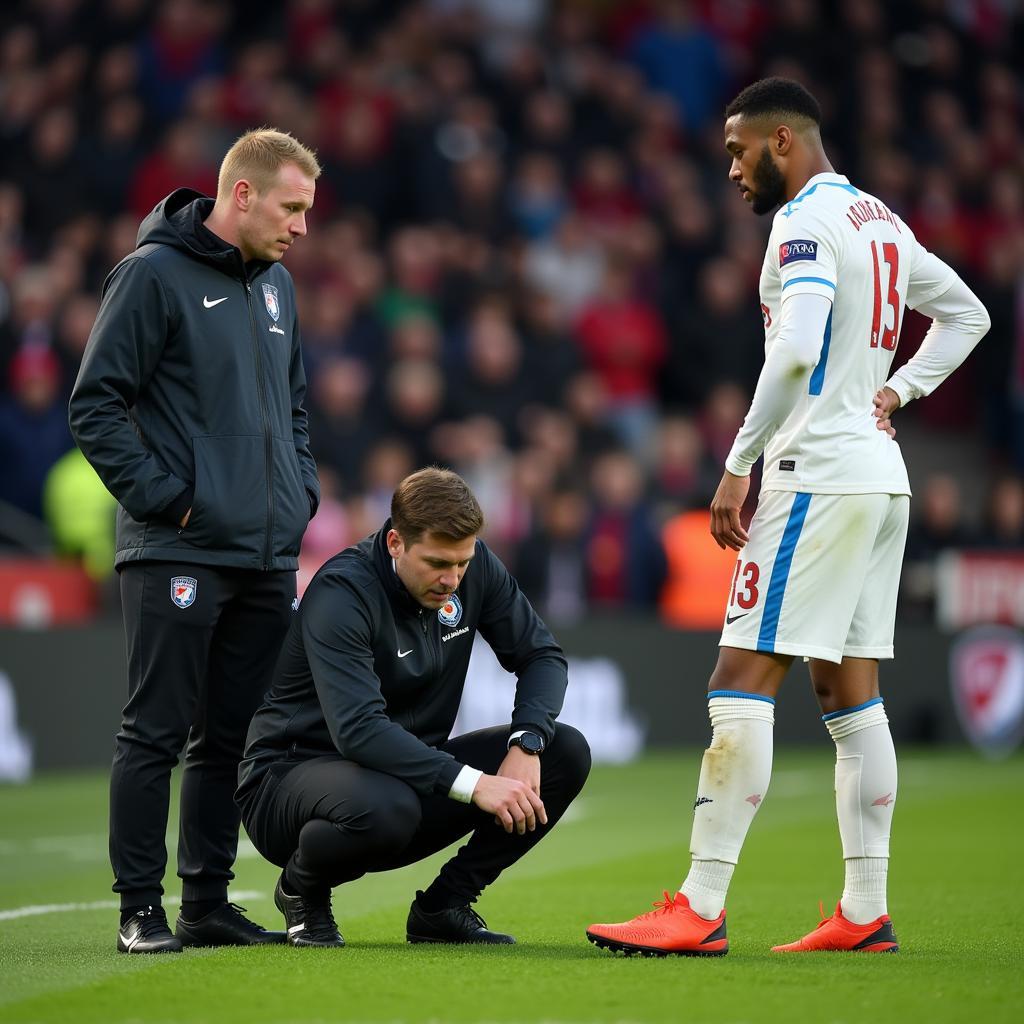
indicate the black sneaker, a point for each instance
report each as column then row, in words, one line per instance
column 225, row 926
column 456, row 924
column 147, row 932
column 309, row 922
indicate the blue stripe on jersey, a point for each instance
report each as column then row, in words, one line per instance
column 791, row 206
column 780, row 573
column 813, row 280
column 818, row 376
column 850, row 711
column 739, row 693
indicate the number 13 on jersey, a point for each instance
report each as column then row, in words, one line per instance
column 891, row 259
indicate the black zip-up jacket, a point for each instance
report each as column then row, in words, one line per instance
column 366, row 672
column 190, row 396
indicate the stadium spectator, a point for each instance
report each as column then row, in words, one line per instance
column 342, row 420
column 1003, row 526
column 681, row 476
column 551, row 563
column 625, row 558
column 79, row 511
column 939, row 526
column 33, row 428
column 624, row 341
column 490, row 379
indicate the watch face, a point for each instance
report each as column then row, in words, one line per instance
column 531, row 743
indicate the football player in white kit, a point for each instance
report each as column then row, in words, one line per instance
column 818, row 574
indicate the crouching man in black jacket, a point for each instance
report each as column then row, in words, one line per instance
column 348, row 765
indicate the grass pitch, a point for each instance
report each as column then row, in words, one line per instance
column 955, row 897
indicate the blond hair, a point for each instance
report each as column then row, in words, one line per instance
column 435, row 500
column 258, row 155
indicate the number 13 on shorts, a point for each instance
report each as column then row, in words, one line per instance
column 801, row 584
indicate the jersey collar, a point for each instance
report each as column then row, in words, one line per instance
column 827, row 179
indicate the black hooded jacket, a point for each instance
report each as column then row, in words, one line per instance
column 366, row 672
column 190, row 396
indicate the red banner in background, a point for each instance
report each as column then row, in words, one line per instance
column 37, row 593
column 975, row 588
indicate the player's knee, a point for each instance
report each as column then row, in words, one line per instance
column 573, row 752
column 731, row 677
column 393, row 821
column 825, row 693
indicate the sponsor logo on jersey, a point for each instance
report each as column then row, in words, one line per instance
column 793, row 252
column 987, row 677
column 454, row 633
column 270, row 298
column 451, row 611
column 767, row 314
column 787, row 465
column 702, row 800
column 183, row 590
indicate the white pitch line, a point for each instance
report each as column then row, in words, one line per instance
column 60, row 908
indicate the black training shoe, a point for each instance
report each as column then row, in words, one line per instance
column 309, row 922
column 225, row 926
column 147, row 932
column 456, row 924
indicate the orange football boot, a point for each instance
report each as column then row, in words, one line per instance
column 672, row 928
column 836, row 933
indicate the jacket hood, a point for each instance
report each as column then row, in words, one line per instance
column 178, row 220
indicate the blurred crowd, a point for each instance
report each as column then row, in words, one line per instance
column 525, row 260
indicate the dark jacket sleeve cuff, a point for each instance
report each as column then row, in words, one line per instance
column 175, row 511
column 546, row 731
column 446, row 777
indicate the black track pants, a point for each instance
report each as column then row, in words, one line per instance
column 201, row 653
column 328, row 820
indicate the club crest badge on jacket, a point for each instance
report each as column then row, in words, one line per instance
column 270, row 297
column 451, row 611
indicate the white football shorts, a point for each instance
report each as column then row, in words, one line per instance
column 819, row 576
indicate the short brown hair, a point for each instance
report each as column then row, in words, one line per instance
column 259, row 154
column 435, row 500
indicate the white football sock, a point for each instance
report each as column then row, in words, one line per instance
column 734, row 777
column 865, row 794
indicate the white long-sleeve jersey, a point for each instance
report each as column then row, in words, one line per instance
column 839, row 272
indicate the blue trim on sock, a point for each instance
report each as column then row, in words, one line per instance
column 780, row 573
column 739, row 693
column 850, row 711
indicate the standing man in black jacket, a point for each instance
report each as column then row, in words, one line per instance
column 189, row 406
column 349, row 766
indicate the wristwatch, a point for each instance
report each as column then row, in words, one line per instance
column 528, row 742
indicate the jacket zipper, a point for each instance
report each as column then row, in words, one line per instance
column 434, row 661
column 267, row 442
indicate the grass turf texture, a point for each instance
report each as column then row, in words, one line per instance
column 956, row 901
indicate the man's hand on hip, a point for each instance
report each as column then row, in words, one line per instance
column 886, row 403
column 512, row 802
